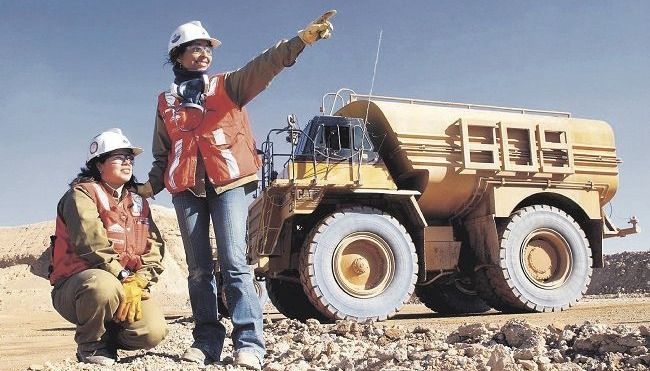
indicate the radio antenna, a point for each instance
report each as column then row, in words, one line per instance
column 374, row 73
column 365, row 121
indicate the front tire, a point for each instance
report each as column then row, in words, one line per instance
column 222, row 304
column 545, row 261
column 290, row 300
column 358, row 264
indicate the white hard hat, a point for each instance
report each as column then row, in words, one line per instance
column 108, row 141
column 190, row 31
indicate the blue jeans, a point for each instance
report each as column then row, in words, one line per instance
column 229, row 211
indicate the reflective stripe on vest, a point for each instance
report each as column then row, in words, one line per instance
column 127, row 226
column 178, row 149
column 101, row 196
column 221, row 134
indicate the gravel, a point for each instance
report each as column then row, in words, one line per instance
column 345, row 345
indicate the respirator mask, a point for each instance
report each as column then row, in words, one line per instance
column 191, row 92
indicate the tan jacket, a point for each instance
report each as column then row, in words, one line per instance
column 241, row 86
column 85, row 232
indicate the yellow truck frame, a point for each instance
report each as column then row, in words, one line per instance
column 470, row 207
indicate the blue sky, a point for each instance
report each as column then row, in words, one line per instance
column 72, row 69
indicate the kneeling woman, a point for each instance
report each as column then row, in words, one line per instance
column 106, row 254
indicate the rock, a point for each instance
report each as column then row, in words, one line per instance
column 300, row 366
column 384, row 354
column 312, row 352
column 637, row 351
column 342, row 327
column 644, row 330
column 421, row 330
column 400, row 354
column 475, row 350
column 631, row 341
column 645, row 359
column 301, row 337
column 501, row 360
column 346, row 364
column 556, row 356
column 274, row 366
column 312, row 324
column 524, row 354
column 332, row 348
column 527, row 365
column 394, row 333
column 520, row 334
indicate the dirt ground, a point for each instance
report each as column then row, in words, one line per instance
column 44, row 336
column 32, row 333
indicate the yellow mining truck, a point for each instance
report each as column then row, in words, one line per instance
column 470, row 207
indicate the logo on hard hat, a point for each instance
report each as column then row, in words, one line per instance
column 93, row 147
column 175, row 37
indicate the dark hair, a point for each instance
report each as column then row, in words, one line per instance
column 172, row 57
column 90, row 172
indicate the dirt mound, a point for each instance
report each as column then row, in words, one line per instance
column 624, row 273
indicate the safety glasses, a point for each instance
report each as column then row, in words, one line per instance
column 122, row 158
column 200, row 49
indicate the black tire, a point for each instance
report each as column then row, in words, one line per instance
column 358, row 264
column 290, row 300
column 454, row 297
column 222, row 305
column 544, row 259
column 487, row 292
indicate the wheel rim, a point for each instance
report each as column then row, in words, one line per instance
column 363, row 264
column 546, row 258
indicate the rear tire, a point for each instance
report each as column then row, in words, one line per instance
column 544, row 259
column 358, row 264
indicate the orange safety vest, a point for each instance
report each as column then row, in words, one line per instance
column 127, row 227
column 221, row 133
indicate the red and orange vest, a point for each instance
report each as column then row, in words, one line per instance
column 221, row 133
column 127, row 227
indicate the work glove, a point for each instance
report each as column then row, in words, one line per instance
column 130, row 308
column 320, row 28
column 144, row 190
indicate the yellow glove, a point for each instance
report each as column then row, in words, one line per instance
column 320, row 28
column 130, row 308
column 144, row 190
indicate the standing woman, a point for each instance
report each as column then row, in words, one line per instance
column 106, row 253
column 205, row 155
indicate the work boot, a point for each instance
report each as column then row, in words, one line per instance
column 247, row 360
column 196, row 355
column 111, row 336
column 102, row 356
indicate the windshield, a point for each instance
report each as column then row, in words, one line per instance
column 333, row 134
